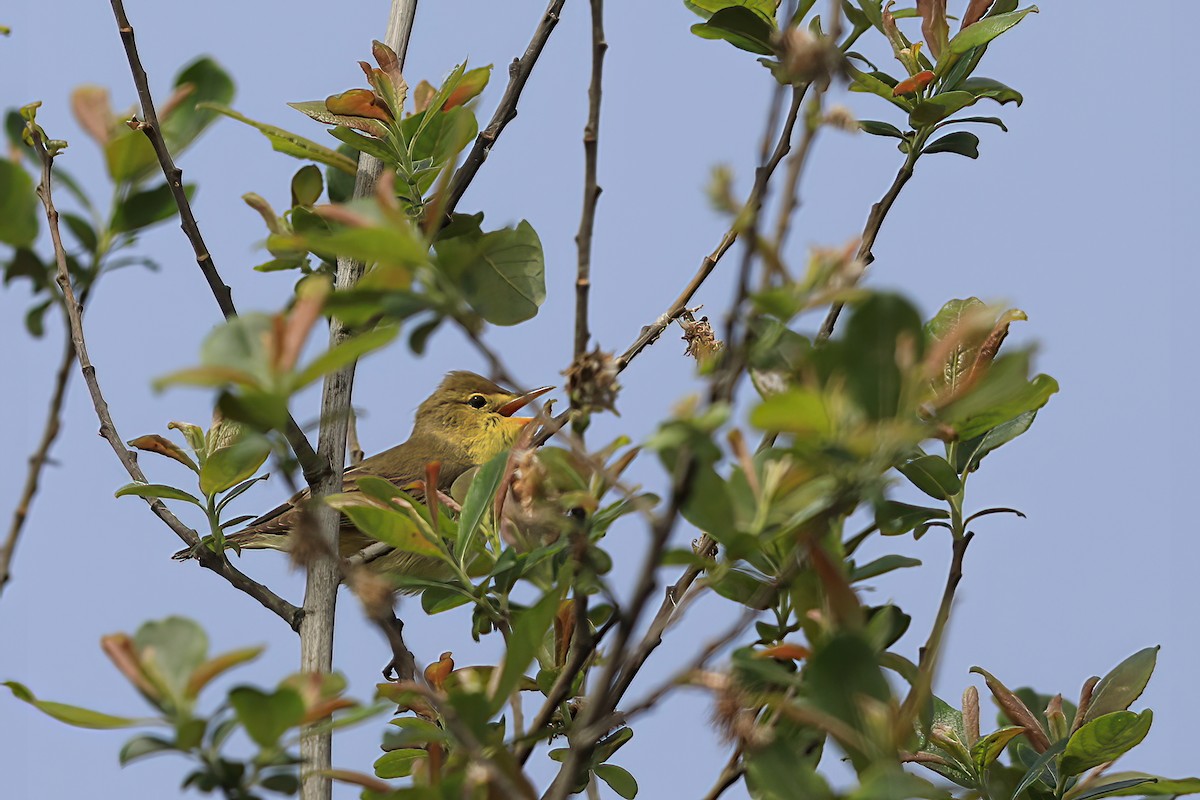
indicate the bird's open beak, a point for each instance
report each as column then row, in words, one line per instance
column 517, row 403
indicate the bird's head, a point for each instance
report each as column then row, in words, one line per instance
column 473, row 415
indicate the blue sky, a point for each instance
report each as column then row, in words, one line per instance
column 1080, row 215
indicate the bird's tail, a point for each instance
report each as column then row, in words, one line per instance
column 246, row 540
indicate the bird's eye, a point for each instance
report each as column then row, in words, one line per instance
column 477, row 401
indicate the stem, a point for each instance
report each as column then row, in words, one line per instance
column 324, row 574
column 875, row 219
column 729, row 775
column 314, row 468
column 208, row 559
column 783, row 144
column 591, row 191
column 518, row 74
column 38, row 459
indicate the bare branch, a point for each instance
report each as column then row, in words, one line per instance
column 38, row 460
column 875, row 219
column 207, row 558
column 518, row 74
column 591, row 191
column 728, row 777
column 754, row 201
column 314, row 468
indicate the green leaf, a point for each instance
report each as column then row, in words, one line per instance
column 933, row 475
column 479, row 499
column 618, row 779
column 231, row 465
column 937, row 108
column 1108, row 788
column 839, row 675
column 143, row 209
column 741, row 27
column 1124, row 684
column 209, row 84
column 292, row 144
column 799, row 411
column 209, row 670
column 972, row 451
column 171, row 650
column 1104, row 739
column 873, row 336
column 398, row 763
column 129, row 156
column 877, row 83
column 18, row 205
column 316, row 109
column 877, row 128
column 386, row 525
column 706, row 8
column 157, row 490
column 73, row 715
column 344, row 353
column 437, row 599
column 988, row 748
column 999, row 123
column 1162, row 786
column 307, row 185
column 281, row 783
column 266, row 717
column 501, row 273
column 35, row 318
column 895, row 518
column 963, row 143
column 991, row 89
column 1002, row 394
column 986, row 30
column 528, row 631
column 142, row 746
column 743, row 587
column 882, row 566
column 1039, row 767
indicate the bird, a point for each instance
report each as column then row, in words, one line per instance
column 465, row 423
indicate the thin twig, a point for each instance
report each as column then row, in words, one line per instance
column 927, row 660
column 783, row 145
column 497, row 371
column 207, row 558
column 591, row 190
column 314, row 467
column 38, row 460
column 518, row 74
column 879, row 212
column 733, row 770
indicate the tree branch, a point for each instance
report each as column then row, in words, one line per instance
column 728, row 777
column 314, row 468
column 208, row 559
column 754, row 201
column 38, row 460
column 518, row 74
column 879, row 212
column 324, row 575
column 591, row 191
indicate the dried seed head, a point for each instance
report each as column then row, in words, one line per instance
column 803, row 55
column 702, row 341
column 306, row 546
column 376, row 594
column 841, row 118
column 529, row 479
column 592, row 382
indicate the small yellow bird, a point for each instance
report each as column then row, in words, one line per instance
column 463, row 424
